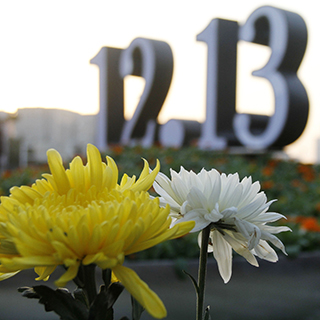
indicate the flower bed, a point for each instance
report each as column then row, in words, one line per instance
column 295, row 185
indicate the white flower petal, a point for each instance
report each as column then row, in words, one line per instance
column 165, row 191
column 229, row 213
column 210, row 247
column 185, row 208
column 253, row 208
column 212, row 179
column 206, row 183
column 163, row 181
column 213, row 198
column 222, row 252
column 250, row 191
column 241, row 248
column 196, row 199
column 174, row 207
column 228, row 185
column 268, row 217
column 273, row 239
column 275, row 230
column 195, row 181
column 213, row 216
column 254, row 238
column 183, row 173
column 180, row 189
column 196, row 215
column 233, row 198
column 250, row 231
column 242, row 227
column 264, row 251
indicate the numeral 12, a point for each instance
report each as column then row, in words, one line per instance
column 283, row 31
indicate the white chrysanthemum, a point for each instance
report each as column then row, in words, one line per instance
column 235, row 210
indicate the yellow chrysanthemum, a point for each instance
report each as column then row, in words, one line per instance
column 83, row 216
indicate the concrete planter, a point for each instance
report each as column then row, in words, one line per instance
column 288, row 289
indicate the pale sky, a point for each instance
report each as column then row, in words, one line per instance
column 46, row 47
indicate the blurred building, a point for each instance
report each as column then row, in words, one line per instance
column 30, row 132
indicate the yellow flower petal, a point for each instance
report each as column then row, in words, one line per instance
column 58, row 171
column 114, row 278
column 20, row 263
column 4, row 276
column 44, row 272
column 94, row 161
column 145, row 180
column 169, row 234
column 114, row 180
column 140, row 291
column 70, row 274
column 19, row 195
column 76, row 174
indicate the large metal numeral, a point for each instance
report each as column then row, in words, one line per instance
column 153, row 61
column 286, row 34
column 221, row 37
column 111, row 116
column 283, row 31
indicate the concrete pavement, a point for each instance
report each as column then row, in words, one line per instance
column 286, row 290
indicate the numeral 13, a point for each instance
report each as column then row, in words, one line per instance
column 283, row 31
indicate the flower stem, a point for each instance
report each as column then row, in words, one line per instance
column 106, row 276
column 90, row 282
column 202, row 272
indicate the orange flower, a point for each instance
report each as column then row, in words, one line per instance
column 309, row 223
column 267, row 184
column 273, row 163
column 267, row 171
column 307, row 172
column 117, row 149
column 6, row 174
column 296, row 183
column 168, row 159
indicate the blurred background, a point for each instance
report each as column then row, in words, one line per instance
column 47, row 47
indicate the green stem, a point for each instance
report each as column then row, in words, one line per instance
column 106, row 276
column 79, row 279
column 202, row 272
column 90, row 282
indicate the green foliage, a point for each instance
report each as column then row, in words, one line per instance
column 19, row 177
column 69, row 307
column 296, row 187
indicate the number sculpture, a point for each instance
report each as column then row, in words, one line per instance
column 283, row 31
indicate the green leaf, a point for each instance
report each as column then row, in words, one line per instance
column 80, row 295
column 62, row 303
column 137, row 309
column 193, row 281
column 101, row 308
column 28, row 292
column 113, row 293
